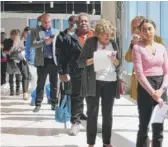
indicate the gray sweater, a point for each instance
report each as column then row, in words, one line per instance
column 88, row 87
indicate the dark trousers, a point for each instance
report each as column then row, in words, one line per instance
column 145, row 108
column 42, row 72
column 76, row 99
column 11, row 83
column 3, row 72
column 107, row 92
column 24, row 69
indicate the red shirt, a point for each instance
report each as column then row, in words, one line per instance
column 83, row 38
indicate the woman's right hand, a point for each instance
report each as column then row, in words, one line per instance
column 89, row 62
column 135, row 39
column 158, row 99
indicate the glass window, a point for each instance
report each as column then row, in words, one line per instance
column 65, row 24
column 32, row 23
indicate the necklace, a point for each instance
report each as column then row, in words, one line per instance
column 151, row 48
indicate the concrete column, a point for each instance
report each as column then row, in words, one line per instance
column 108, row 10
column 60, row 24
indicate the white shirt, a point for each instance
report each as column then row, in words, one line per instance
column 108, row 74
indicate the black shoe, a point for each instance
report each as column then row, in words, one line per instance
column 53, row 108
column 37, row 109
column 11, row 93
column 17, row 92
column 83, row 117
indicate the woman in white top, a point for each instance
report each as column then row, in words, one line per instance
column 102, row 83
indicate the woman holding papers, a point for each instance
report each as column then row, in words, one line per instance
column 151, row 67
column 100, row 61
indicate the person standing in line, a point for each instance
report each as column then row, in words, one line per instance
column 23, row 66
column 3, row 59
column 128, row 57
column 45, row 60
column 150, row 61
column 103, row 83
column 68, row 55
column 60, row 40
column 30, row 55
column 11, row 44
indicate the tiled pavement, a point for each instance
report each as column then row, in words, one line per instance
column 20, row 127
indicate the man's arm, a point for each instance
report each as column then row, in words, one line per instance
column 62, row 55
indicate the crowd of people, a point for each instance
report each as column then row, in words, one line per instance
column 69, row 56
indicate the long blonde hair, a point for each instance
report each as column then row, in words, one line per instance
column 137, row 18
column 18, row 43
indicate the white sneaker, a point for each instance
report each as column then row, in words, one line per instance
column 74, row 130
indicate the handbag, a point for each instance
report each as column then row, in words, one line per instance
column 63, row 110
column 16, row 55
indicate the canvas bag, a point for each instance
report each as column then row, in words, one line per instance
column 63, row 109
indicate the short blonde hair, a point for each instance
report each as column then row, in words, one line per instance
column 105, row 26
column 137, row 18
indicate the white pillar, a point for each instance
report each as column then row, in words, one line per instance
column 61, row 24
column 108, row 10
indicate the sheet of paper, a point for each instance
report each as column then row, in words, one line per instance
column 102, row 60
column 158, row 114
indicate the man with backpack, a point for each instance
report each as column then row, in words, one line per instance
column 68, row 54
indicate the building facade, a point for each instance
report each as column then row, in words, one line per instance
column 154, row 10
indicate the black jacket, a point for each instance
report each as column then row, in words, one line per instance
column 68, row 52
column 88, row 87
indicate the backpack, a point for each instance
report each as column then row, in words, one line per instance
column 63, row 110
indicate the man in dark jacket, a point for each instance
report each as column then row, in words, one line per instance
column 61, row 39
column 62, row 35
column 68, row 54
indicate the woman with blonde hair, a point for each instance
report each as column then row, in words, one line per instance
column 23, row 65
column 128, row 57
column 10, row 45
column 17, row 65
column 102, row 83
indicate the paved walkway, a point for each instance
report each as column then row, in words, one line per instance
column 21, row 127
